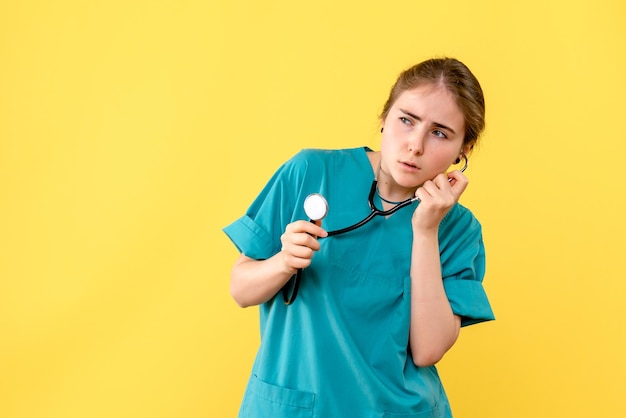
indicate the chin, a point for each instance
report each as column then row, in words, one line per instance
column 409, row 182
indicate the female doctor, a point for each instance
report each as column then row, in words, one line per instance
column 378, row 306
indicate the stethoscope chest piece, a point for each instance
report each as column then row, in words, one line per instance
column 315, row 207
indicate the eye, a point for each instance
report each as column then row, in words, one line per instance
column 405, row 121
column 440, row 134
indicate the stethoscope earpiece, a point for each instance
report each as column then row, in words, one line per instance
column 465, row 163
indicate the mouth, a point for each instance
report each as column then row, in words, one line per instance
column 409, row 165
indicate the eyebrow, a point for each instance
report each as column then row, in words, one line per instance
column 439, row 125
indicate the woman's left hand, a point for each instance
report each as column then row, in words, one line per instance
column 437, row 196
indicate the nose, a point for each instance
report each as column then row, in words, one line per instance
column 416, row 142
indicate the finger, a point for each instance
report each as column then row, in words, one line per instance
column 295, row 257
column 298, row 226
column 301, row 239
column 301, row 263
column 422, row 194
column 438, row 192
column 431, row 187
column 294, row 263
column 315, row 229
column 300, row 251
column 442, row 180
column 458, row 182
column 312, row 228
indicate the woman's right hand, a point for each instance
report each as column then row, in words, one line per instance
column 299, row 243
column 256, row 281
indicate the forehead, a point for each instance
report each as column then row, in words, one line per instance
column 427, row 94
column 431, row 101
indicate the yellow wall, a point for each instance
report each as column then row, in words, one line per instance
column 132, row 131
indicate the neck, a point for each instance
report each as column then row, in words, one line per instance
column 388, row 190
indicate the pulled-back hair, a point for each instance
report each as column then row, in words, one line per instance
column 457, row 79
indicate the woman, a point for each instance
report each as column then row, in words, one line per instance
column 378, row 306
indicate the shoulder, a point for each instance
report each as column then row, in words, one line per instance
column 318, row 154
column 316, row 158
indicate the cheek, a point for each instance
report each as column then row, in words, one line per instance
column 388, row 146
column 384, row 142
column 391, row 139
column 444, row 154
column 446, row 159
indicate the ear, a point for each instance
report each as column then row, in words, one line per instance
column 467, row 148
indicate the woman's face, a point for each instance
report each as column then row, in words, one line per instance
column 423, row 135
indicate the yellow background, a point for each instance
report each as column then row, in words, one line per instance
column 131, row 132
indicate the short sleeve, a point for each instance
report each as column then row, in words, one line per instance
column 463, row 266
column 257, row 233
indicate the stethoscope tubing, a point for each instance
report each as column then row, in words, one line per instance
column 288, row 299
column 374, row 211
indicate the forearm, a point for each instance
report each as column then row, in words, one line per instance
column 434, row 327
column 256, row 281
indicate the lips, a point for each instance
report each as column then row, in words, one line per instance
column 410, row 165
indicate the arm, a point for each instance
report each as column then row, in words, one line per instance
column 256, row 281
column 434, row 327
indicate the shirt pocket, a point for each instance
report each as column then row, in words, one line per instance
column 264, row 399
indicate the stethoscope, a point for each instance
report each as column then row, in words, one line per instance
column 316, row 208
